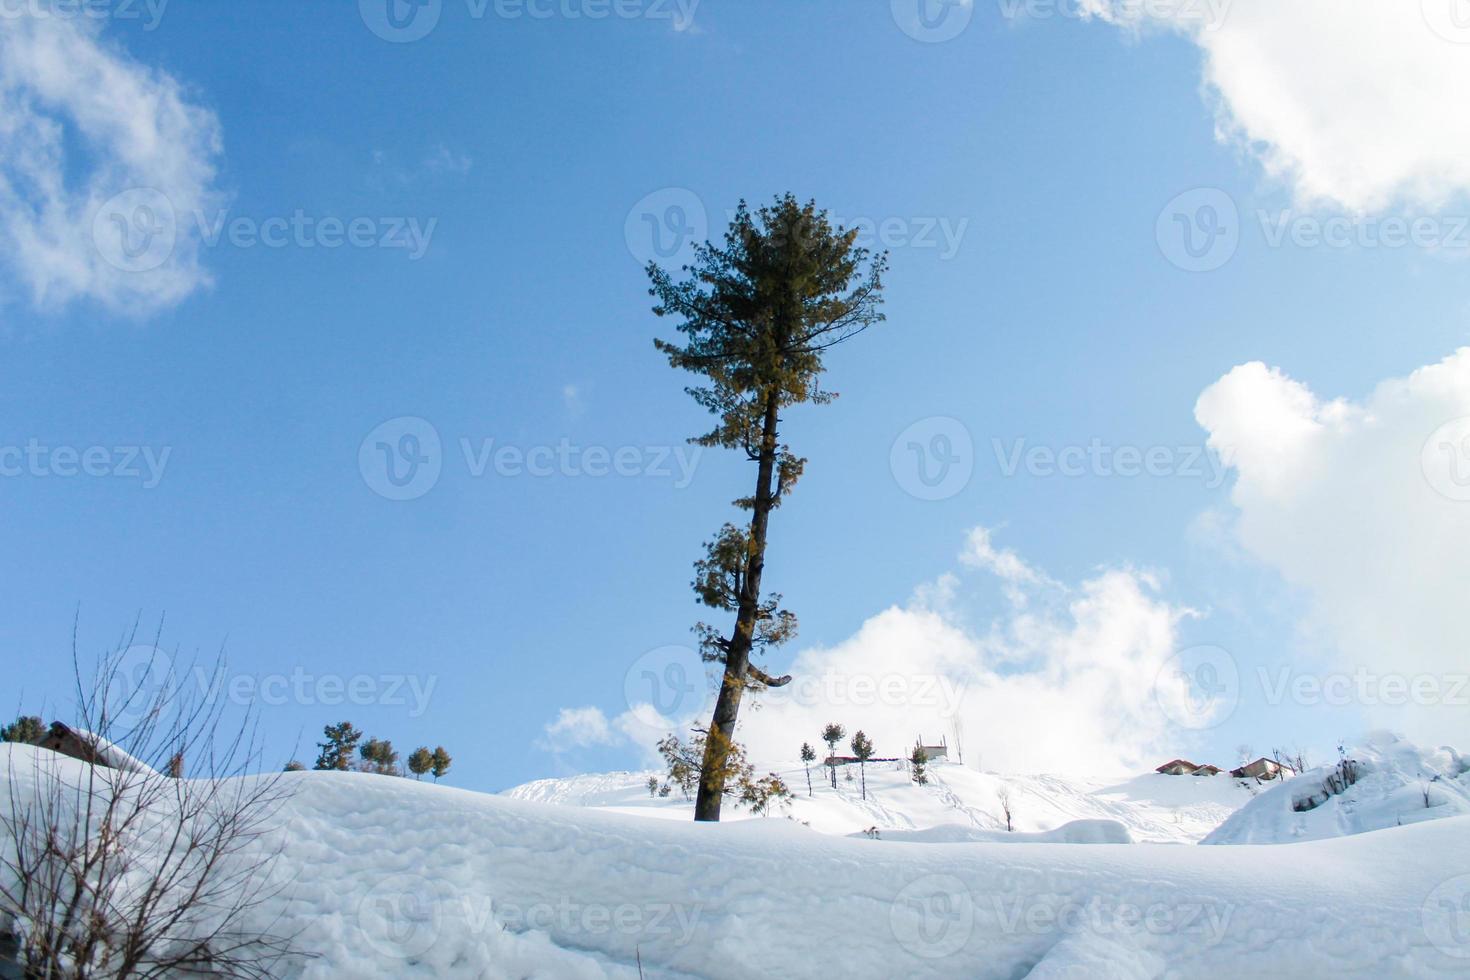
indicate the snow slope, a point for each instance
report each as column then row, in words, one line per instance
column 394, row 878
column 1397, row 784
column 1152, row 808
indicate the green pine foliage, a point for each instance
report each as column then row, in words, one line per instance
column 340, row 746
column 833, row 734
column 420, row 761
column 862, row 747
column 919, row 760
column 758, row 314
column 25, row 730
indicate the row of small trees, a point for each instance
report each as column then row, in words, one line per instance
column 862, row 750
column 376, row 755
column 25, row 729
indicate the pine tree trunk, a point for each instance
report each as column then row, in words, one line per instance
column 808, row 780
column 737, row 659
column 863, row 768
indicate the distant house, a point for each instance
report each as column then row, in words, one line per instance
column 1183, row 767
column 933, row 752
column 86, row 747
column 1262, row 769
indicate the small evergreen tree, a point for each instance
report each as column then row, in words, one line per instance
column 759, row 794
column 808, row 754
column 379, row 756
column 652, row 786
column 919, row 759
column 294, row 766
column 26, row 729
column 832, row 734
column 441, row 762
column 420, row 761
column 683, row 763
column 338, row 749
column 862, row 747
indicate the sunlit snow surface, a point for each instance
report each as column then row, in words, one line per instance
column 390, row 877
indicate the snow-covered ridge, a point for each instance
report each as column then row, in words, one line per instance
column 1396, row 784
column 1151, row 808
column 394, row 878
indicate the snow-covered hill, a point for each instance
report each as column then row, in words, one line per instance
column 1397, row 784
column 388, row 877
column 1151, row 808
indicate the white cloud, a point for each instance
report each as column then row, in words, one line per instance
column 577, row 728
column 1069, row 688
column 1365, row 506
column 980, row 552
column 103, row 162
column 442, row 160
column 1348, row 102
column 1065, row 681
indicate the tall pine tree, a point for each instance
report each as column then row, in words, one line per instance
column 757, row 314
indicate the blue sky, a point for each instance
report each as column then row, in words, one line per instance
column 518, row 150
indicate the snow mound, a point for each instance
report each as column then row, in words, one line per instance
column 1396, row 784
column 1152, row 808
column 388, row 877
column 1075, row 832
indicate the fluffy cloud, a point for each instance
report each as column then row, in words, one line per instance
column 577, row 728
column 1365, row 507
column 1349, row 102
column 103, row 162
column 1065, row 679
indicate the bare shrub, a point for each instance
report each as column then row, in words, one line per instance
column 125, row 869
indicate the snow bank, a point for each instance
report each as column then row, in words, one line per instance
column 394, row 878
column 1152, row 808
column 1397, row 784
column 1076, row 832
